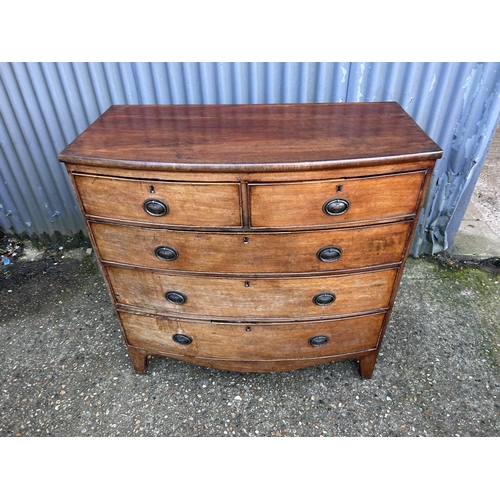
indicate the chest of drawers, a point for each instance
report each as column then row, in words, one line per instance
column 252, row 237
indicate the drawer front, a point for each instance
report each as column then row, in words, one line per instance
column 253, row 341
column 161, row 203
column 334, row 202
column 253, row 297
column 297, row 252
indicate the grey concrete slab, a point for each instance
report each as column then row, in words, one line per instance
column 476, row 239
column 478, row 236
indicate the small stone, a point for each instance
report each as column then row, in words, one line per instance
column 237, row 398
column 30, row 253
column 88, row 251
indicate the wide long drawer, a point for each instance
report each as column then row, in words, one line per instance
column 317, row 203
column 252, row 341
column 253, row 297
column 323, row 250
column 159, row 202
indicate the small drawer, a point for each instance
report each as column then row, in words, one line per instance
column 335, row 202
column 160, row 203
column 237, row 341
column 252, row 297
column 272, row 252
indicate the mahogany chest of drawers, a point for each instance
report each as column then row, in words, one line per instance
column 252, row 237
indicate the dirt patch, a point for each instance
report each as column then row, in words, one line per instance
column 30, row 287
column 447, row 260
column 492, row 264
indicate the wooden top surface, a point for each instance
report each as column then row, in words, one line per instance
column 251, row 137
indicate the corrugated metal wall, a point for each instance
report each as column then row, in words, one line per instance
column 44, row 106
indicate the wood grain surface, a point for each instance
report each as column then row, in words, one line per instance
column 366, row 359
column 263, row 137
column 247, row 252
column 251, row 341
column 252, row 298
column 189, row 204
column 301, row 203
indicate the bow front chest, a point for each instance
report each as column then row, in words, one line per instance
column 252, row 237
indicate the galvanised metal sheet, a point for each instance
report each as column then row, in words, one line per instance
column 44, row 106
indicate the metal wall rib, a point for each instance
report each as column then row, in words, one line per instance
column 44, row 106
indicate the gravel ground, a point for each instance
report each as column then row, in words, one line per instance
column 65, row 371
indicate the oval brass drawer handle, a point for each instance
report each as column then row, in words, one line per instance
column 176, row 298
column 318, row 340
column 155, row 207
column 166, row 253
column 182, row 339
column 329, row 254
column 324, row 299
column 336, row 206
